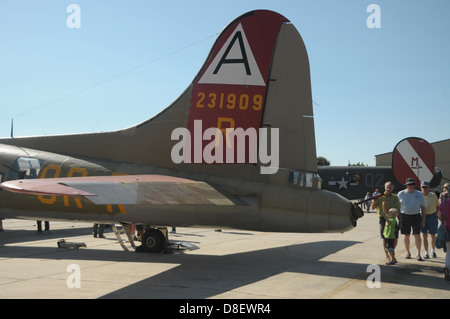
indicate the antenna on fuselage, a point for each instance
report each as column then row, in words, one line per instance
column 12, row 127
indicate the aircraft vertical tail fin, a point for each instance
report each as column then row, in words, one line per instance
column 414, row 157
column 256, row 80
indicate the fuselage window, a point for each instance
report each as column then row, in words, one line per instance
column 25, row 168
column 305, row 179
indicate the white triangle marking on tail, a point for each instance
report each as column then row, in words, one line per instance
column 235, row 64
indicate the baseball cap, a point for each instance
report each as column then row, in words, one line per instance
column 410, row 181
column 425, row 184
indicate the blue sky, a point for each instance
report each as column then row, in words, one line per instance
column 130, row 59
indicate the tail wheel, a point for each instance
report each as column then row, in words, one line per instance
column 153, row 241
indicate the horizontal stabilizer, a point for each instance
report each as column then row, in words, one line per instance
column 126, row 190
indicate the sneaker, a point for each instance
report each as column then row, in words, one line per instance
column 434, row 255
column 419, row 258
column 426, row 255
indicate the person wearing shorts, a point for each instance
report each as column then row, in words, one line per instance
column 412, row 203
column 383, row 204
column 431, row 222
column 390, row 234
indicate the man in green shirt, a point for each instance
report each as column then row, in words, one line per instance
column 383, row 204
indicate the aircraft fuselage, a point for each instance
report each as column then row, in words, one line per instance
column 354, row 182
column 261, row 204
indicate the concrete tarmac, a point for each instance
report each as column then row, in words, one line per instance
column 230, row 264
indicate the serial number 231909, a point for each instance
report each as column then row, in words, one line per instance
column 230, row 101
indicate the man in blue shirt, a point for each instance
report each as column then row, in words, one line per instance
column 411, row 203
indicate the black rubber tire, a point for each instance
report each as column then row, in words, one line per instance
column 153, row 241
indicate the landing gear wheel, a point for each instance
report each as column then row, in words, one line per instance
column 153, row 241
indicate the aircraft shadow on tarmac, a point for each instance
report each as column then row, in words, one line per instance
column 203, row 276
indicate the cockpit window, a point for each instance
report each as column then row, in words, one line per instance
column 25, row 168
column 305, row 179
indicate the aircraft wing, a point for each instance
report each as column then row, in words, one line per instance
column 126, row 189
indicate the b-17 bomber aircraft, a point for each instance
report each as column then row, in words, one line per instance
column 235, row 150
